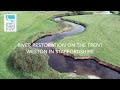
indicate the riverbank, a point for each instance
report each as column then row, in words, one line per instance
column 101, row 29
column 62, row 60
column 28, row 25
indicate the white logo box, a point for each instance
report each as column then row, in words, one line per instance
column 10, row 22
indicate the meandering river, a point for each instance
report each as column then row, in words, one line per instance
column 66, row 64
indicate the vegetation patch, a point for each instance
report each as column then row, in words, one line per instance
column 27, row 61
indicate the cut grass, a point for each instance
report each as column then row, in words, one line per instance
column 99, row 29
column 28, row 24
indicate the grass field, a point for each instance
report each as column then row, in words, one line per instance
column 99, row 29
column 28, row 24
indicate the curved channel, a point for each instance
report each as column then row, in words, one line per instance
column 66, row 64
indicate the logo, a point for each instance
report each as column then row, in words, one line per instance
column 10, row 22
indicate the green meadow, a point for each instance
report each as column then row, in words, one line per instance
column 28, row 25
column 100, row 28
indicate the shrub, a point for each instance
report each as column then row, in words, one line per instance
column 27, row 61
column 82, row 12
column 119, row 12
column 115, row 12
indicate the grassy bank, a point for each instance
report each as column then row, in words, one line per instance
column 99, row 29
column 28, row 24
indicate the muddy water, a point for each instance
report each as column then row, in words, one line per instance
column 65, row 64
column 81, row 67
